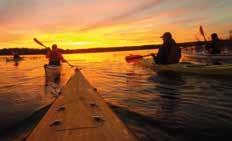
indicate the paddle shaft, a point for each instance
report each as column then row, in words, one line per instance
column 135, row 57
column 70, row 64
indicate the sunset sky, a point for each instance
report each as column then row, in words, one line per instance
column 106, row 23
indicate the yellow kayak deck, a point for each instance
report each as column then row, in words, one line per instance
column 80, row 114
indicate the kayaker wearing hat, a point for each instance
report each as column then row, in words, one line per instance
column 169, row 53
column 54, row 56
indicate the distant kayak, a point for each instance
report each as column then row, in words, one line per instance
column 189, row 68
column 14, row 60
column 206, row 58
column 52, row 73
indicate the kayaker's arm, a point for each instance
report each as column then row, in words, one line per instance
column 62, row 59
column 65, row 61
column 153, row 55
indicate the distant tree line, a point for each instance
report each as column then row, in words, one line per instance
column 25, row 51
column 32, row 51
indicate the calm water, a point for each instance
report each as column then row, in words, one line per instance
column 155, row 106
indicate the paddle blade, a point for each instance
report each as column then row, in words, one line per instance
column 38, row 42
column 132, row 58
column 202, row 31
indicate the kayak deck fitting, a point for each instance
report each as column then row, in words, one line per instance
column 80, row 114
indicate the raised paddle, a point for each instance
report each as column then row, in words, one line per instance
column 202, row 33
column 40, row 43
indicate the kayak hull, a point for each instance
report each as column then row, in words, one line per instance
column 188, row 68
column 206, row 58
column 52, row 74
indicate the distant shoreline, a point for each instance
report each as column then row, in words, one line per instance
column 33, row 51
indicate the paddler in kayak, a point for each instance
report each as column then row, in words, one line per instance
column 169, row 53
column 16, row 55
column 214, row 46
column 55, row 56
column 53, row 69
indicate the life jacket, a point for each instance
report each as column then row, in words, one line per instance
column 170, row 53
column 161, row 57
column 216, row 48
column 54, row 58
column 174, row 54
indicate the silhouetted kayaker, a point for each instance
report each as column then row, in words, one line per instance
column 16, row 55
column 214, row 46
column 169, row 53
column 55, row 57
